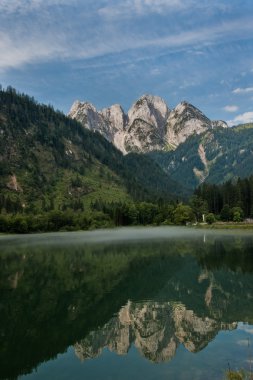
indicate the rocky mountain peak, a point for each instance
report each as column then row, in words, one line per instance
column 86, row 113
column 188, row 111
column 146, row 125
column 151, row 109
column 81, row 107
column 184, row 121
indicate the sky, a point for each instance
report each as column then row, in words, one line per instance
column 114, row 51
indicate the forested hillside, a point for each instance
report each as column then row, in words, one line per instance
column 215, row 156
column 50, row 162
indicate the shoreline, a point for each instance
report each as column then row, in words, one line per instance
column 226, row 226
column 215, row 226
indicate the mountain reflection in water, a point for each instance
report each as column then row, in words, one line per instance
column 166, row 288
column 155, row 328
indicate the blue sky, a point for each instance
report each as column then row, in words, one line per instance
column 114, row 51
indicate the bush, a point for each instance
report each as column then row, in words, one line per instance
column 183, row 215
column 210, row 218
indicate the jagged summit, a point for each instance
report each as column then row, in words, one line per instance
column 184, row 121
column 149, row 124
column 149, row 108
column 146, row 124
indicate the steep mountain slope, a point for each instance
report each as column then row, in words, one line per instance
column 49, row 161
column 110, row 122
column 186, row 120
column 148, row 126
column 215, row 156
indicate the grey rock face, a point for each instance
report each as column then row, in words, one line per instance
column 89, row 117
column 186, row 120
column 148, row 126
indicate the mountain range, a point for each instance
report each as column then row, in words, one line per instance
column 186, row 144
column 148, row 126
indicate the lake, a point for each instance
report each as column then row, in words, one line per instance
column 130, row 303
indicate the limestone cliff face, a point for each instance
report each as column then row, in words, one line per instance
column 186, row 120
column 87, row 114
column 148, row 126
column 116, row 122
column 110, row 122
column 156, row 329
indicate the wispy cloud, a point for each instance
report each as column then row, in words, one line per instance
column 15, row 52
column 12, row 6
column 132, row 8
column 129, row 8
column 242, row 90
column 244, row 118
column 155, row 71
column 49, row 41
column 231, row 108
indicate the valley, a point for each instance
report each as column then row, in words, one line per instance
column 106, row 168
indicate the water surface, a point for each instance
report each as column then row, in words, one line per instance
column 145, row 303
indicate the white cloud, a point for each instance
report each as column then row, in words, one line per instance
column 231, row 108
column 11, row 6
column 244, row 118
column 155, row 71
column 242, row 90
column 129, row 8
column 34, row 49
column 186, row 83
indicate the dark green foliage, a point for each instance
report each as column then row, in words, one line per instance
column 225, row 213
column 102, row 214
column 42, row 147
column 183, row 214
column 210, row 218
column 181, row 170
column 147, row 172
column 232, row 200
column 237, row 214
column 141, row 213
column 228, row 153
column 199, row 207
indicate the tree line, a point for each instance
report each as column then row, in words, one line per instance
column 100, row 215
column 232, row 200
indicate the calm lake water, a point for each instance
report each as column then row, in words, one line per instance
column 146, row 303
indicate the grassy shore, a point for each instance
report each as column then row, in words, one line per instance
column 227, row 225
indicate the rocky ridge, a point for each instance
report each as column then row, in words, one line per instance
column 148, row 126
